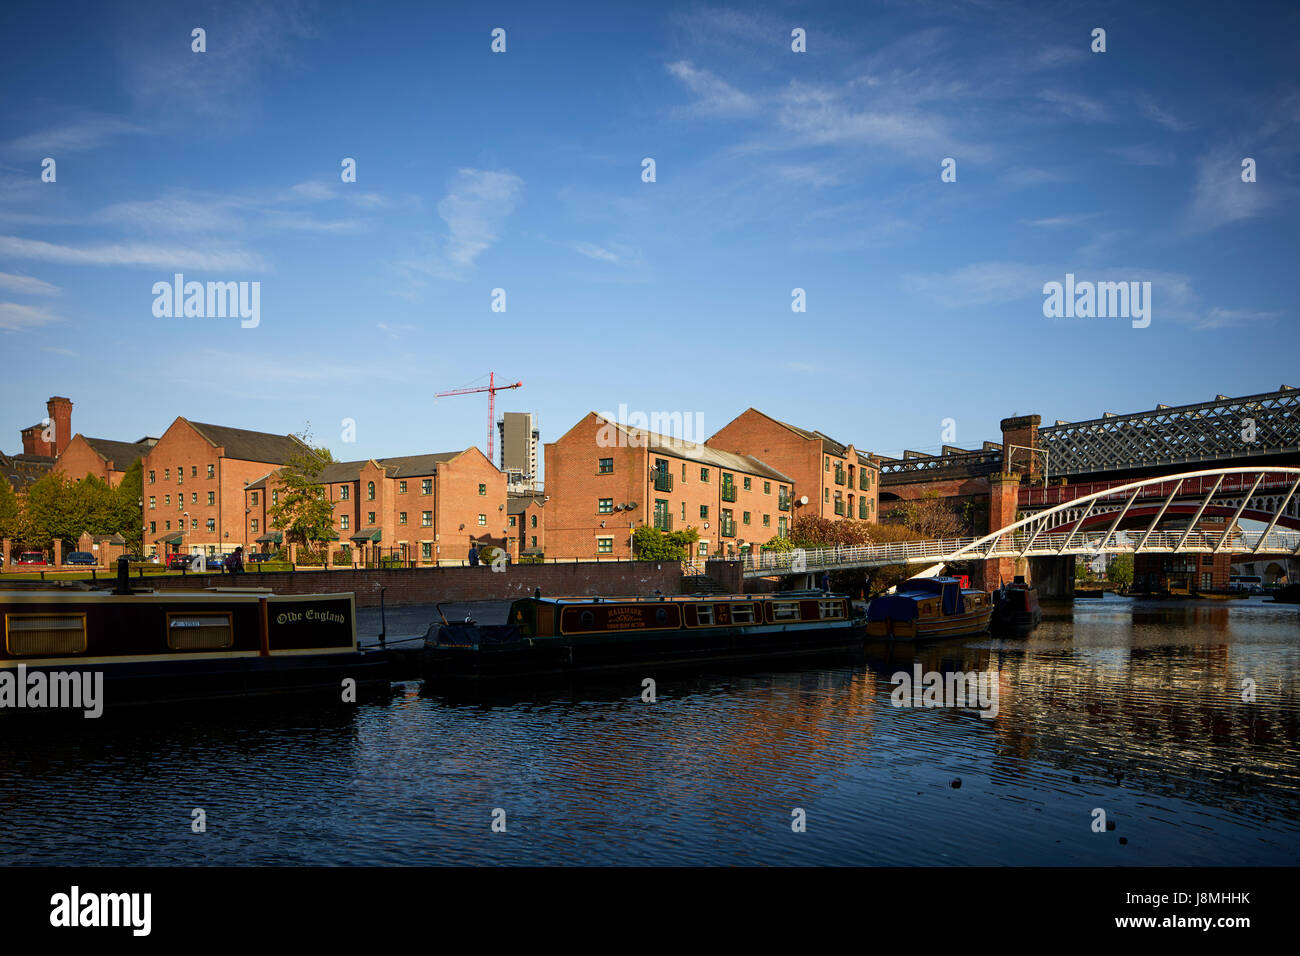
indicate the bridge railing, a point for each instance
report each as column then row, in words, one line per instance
column 1020, row 543
column 1038, row 497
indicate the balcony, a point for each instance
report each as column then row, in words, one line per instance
column 728, row 491
column 727, row 528
column 864, row 480
column 663, row 481
column 839, row 506
column 862, row 509
column 839, row 475
column 783, row 501
column 663, row 521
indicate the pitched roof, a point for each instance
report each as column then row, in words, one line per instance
column 120, row 453
column 402, row 466
column 694, row 451
column 517, row 504
column 249, row 445
column 829, row 445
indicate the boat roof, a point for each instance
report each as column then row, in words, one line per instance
column 683, row 598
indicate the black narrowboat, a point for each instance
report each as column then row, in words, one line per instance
column 1015, row 609
column 144, row 646
column 572, row 634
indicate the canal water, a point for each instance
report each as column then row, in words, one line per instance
column 1133, row 708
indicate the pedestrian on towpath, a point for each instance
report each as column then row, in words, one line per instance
column 826, row 581
column 473, row 555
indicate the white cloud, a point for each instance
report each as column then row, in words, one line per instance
column 88, row 132
column 714, row 96
column 134, row 254
column 1076, row 105
column 1143, row 155
column 1219, row 197
column 15, row 317
column 593, row 251
column 476, row 206
column 26, row 285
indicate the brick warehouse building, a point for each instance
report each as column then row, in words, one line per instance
column 603, row 479
column 196, row 474
column 839, row 481
column 424, row 508
column 42, row 443
column 101, row 457
column 526, row 524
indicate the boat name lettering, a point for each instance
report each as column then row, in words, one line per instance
column 327, row 617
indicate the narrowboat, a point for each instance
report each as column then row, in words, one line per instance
column 146, row 646
column 1015, row 608
column 929, row 609
column 571, row 634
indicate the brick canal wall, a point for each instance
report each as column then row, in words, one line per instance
column 429, row 585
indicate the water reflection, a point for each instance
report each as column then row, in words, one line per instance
column 1135, row 707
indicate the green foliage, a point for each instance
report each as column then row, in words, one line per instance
column 341, row 558
column 303, row 512
column 10, row 511
column 779, row 545
column 308, row 558
column 127, row 516
column 1120, row 570
column 651, row 544
column 813, row 531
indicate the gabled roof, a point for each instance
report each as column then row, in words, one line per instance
column 120, row 453
column 402, row 466
column 829, row 445
column 517, row 504
column 694, row 451
column 249, row 445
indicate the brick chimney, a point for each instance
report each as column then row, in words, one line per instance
column 60, row 415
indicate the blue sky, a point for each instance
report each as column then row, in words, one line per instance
column 523, row 171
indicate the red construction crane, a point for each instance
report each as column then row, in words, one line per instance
column 491, row 388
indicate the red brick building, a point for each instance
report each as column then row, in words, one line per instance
column 603, row 479
column 42, row 443
column 526, row 524
column 193, row 484
column 423, row 508
column 105, row 459
column 838, row 480
column 1187, row 573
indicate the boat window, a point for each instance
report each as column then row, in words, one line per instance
column 785, row 611
column 45, row 635
column 661, row 616
column 200, row 632
column 742, row 613
column 587, row 619
column 704, row 614
column 830, row 609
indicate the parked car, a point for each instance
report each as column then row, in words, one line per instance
column 31, row 557
column 257, row 557
column 80, row 557
column 216, row 562
column 177, row 560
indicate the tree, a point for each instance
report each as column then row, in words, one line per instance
column 10, row 511
column 303, row 510
column 1120, row 571
column 651, row 544
column 929, row 516
column 128, row 518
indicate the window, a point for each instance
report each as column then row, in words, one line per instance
column 704, row 512
column 830, row 609
column 153, row 527
column 254, row 526
column 826, row 494
column 683, row 471
column 180, row 474
column 534, row 541
column 767, row 521
column 607, row 468
column 704, row 549
column 828, row 464
column 605, row 506
column 253, row 497
column 401, row 487
column 167, row 500
column 512, row 520
column 482, row 519
column 212, row 471
column 194, row 498
column 275, row 498
column 167, row 474
column 194, row 524
column 370, row 518
column 426, row 486
column 370, row 491
column 604, row 545
column 747, row 484
column 343, row 522
column 344, row 492
column 153, row 501
column 704, row 474
column 426, row 519
column 43, row 635
column 533, row 519
column 785, row 611
column 744, row 517
column 742, row 614
column 152, row 476
column 683, row 512
column 167, row 525
column 212, row 524
column 401, row 517
column 482, row 489
column 704, row 614
column 426, row 550
column 212, row 497
column 194, row 471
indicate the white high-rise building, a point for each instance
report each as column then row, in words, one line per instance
column 519, row 438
